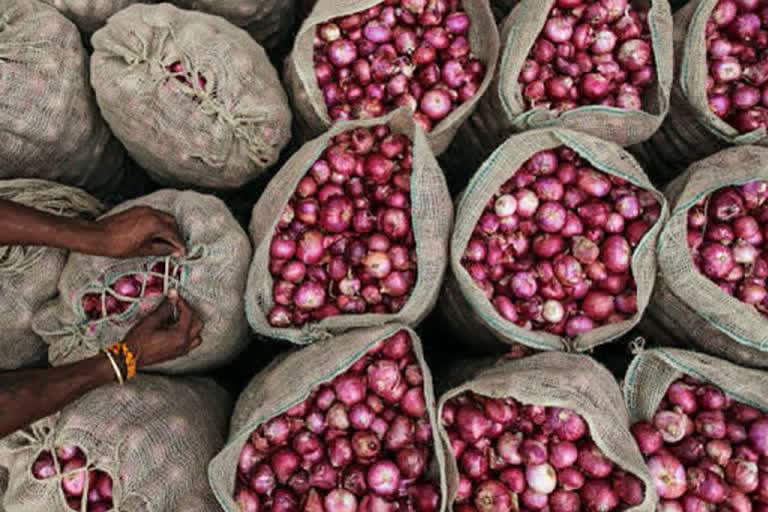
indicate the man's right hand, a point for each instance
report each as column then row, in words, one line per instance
column 164, row 335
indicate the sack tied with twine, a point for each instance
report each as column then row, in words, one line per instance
column 193, row 98
column 52, row 128
column 154, row 437
column 211, row 278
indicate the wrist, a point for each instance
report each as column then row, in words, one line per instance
column 84, row 236
column 134, row 346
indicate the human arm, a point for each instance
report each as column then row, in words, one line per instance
column 138, row 231
column 28, row 395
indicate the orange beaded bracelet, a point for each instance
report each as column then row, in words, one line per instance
column 121, row 349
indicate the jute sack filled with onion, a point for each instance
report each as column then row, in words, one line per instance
column 100, row 298
column 717, row 98
column 90, row 15
column 29, row 275
column 702, row 425
column 608, row 73
column 362, row 59
column 194, row 99
column 550, row 430
column 352, row 232
column 356, row 426
column 710, row 292
column 269, row 21
column 553, row 245
column 52, row 128
column 139, row 448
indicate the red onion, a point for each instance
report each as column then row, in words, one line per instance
column 758, row 435
column 493, row 496
column 44, row 467
column 73, row 482
column 598, row 496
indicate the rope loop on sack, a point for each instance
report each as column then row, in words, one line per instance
column 637, row 346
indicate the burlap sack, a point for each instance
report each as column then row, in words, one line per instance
column 52, row 128
column 212, row 281
column 3, row 486
column 268, row 21
column 652, row 372
column 29, row 275
column 154, row 437
column 685, row 301
column 289, row 380
column 691, row 131
column 221, row 135
column 90, row 15
column 560, row 380
column 502, row 111
column 464, row 306
column 307, row 97
column 431, row 219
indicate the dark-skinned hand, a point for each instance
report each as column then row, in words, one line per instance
column 139, row 231
column 169, row 332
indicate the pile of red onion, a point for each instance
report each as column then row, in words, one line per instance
column 344, row 243
column 400, row 53
column 737, row 84
column 726, row 235
column 705, row 451
column 92, row 485
column 129, row 286
column 553, row 248
column 513, row 457
column 362, row 442
column 590, row 52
